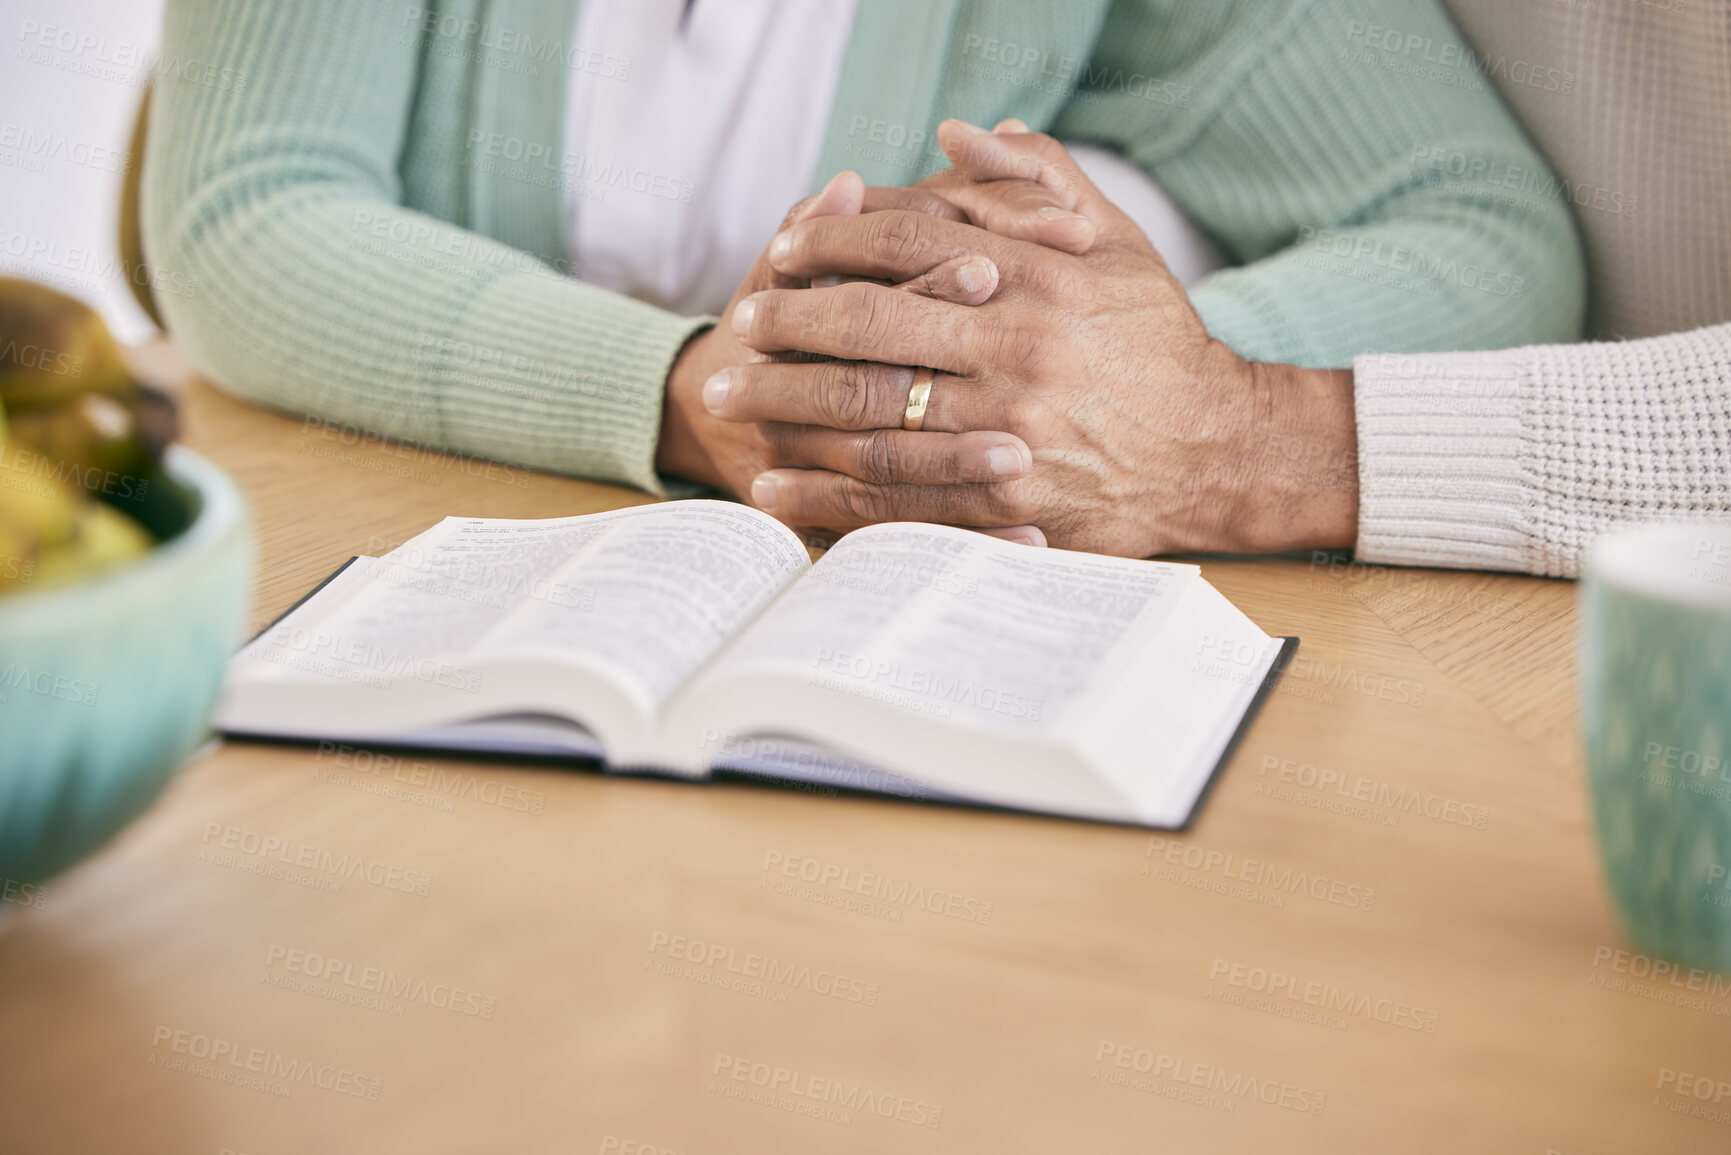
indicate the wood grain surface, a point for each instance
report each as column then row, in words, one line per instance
column 1388, row 932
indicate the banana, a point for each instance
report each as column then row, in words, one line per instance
column 35, row 503
column 73, row 424
column 103, row 538
column 96, row 440
column 53, row 347
column 17, row 558
column 37, row 514
column 52, row 534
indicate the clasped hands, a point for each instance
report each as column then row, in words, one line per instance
column 1078, row 399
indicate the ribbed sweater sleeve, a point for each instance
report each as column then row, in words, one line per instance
column 1352, row 159
column 1517, row 460
column 278, row 198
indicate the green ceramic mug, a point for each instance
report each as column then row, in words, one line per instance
column 1656, row 709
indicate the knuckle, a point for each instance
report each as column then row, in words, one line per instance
column 880, row 462
column 863, row 503
column 867, row 315
column 1019, row 344
column 1061, row 280
column 895, row 237
column 939, row 284
column 844, row 398
column 929, row 284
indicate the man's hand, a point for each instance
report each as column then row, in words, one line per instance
column 698, row 445
column 1149, row 436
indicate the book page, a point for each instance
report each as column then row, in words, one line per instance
column 958, row 626
column 648, row 594
column 661, row 594
column 1159, row 729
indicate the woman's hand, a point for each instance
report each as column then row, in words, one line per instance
column 1149, row 436
column 697, row 444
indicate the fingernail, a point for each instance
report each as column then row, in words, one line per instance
column 1014, row 124
column 1027, row 537
column 715, row 390
column 742, row 315
column 828, row 282
column 1008, row 460
column 763, row 493
column 780, row 247
column 835, row 180
column 974, row 276
column 1053, row 212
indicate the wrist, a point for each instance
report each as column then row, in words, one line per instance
column 1300, row 485
column 679, row 450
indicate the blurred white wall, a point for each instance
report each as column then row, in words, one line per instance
column 71, row 74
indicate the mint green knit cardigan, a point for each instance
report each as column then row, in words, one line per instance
column 360, row 202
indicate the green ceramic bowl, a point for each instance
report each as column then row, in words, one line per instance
column 106, row 685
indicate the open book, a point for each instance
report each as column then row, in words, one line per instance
column 696, row 637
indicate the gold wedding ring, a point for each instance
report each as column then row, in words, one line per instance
column 914, row 415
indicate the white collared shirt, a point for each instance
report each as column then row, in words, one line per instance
column 683, row 169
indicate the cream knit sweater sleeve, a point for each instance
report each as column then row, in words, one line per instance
column 1516, row 460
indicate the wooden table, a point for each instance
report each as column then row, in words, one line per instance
column 1388, row 932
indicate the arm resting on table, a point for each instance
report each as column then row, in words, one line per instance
column 275, row 205
column 1516, row 460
